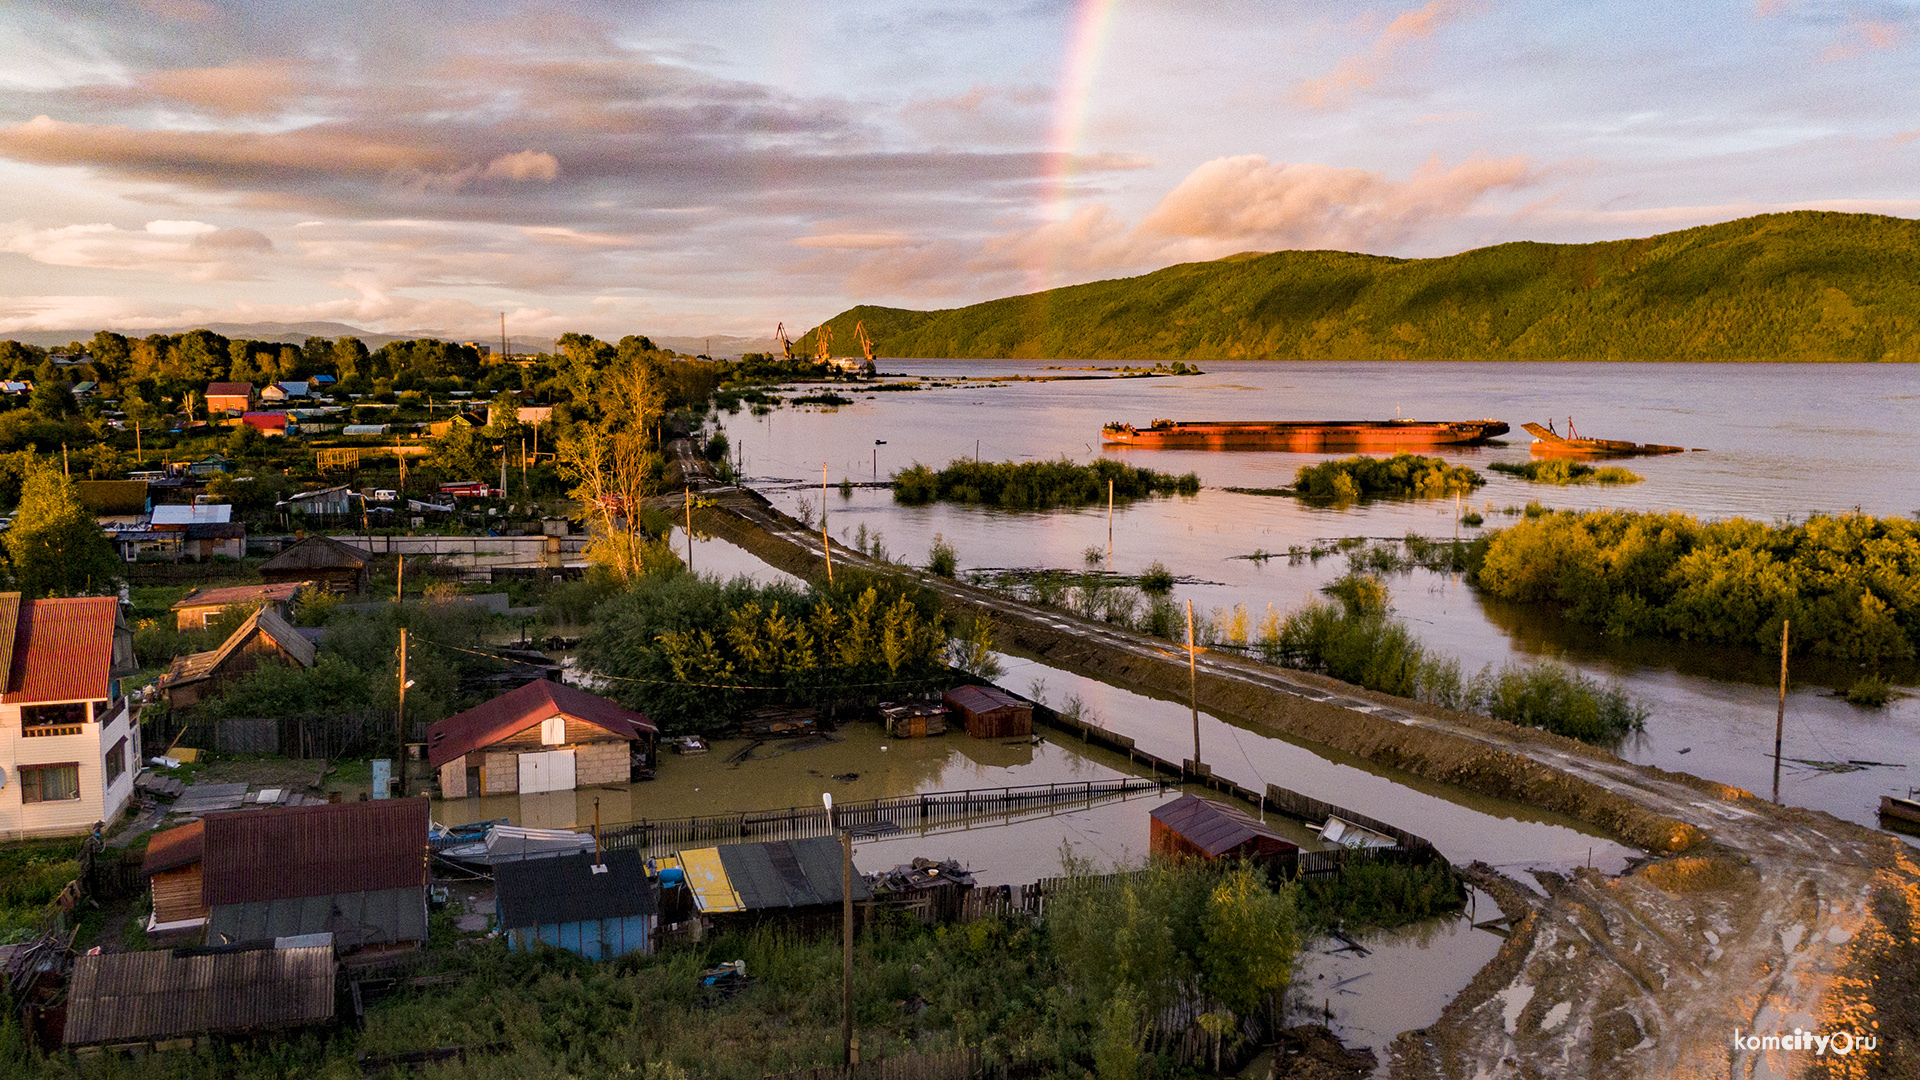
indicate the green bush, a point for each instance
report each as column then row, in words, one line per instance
column 1034, row 485
column 1379, row 895
column 1871, row 691
column 1562, row 472
column 1362, row 477
column 1559, row 700
column 942, row 560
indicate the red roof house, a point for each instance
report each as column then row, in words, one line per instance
column 266, row 423
column 542, row 737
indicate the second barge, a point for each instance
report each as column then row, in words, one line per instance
column 1307, row 436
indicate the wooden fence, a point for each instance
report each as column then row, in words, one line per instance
column 875, row 817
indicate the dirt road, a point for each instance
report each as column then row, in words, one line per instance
column 1746, row 918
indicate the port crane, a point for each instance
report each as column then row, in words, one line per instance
column 780, row 335
column 825, row 342
column 866, row 345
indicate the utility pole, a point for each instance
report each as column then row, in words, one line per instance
column 503, row 468
column 400, row 583
column 1779, row 718
column 826, row 541
column 1193, row 688
column 1109, row 524
column 846, row 951
column 400, row 724
column 689, row 529
column 505, row 354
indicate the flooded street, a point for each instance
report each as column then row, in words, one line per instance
column 1805, row 438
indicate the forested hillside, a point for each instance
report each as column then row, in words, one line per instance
column 1797, row 286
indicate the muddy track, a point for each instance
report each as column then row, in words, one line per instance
column 1745, row 916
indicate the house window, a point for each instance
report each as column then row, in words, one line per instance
column 49, row 783
column 553, row 730
column 66, row 719
column 116, row 761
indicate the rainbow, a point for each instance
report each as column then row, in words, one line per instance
column 1086, row 41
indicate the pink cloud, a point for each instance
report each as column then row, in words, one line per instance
column 1864, row 36
column 1360, row 70
column 192, row 250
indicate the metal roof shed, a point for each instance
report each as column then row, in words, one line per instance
column 990, row 712
column 137, row 997
column 562, row 902
column 770, row 876
column 1193, row 827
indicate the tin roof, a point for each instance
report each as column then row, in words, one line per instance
column 265, row 421
column 267, row 621
column 564, row 889
column 518, row 710
column 355, row 919
column 63, row 650
column 772, row 874
column 175, row 848
column 205, row 513
column 229, row 389
column 276, row 593
column 1213, row 827
column 980, row 699
column 293, row 851
column 112, row 496
column 120, row 997
column 317, row 552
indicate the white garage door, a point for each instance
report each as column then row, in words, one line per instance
column 549, row 770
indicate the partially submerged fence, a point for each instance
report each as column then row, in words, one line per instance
column 931, row 812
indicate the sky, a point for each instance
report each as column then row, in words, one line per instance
column 680, row 168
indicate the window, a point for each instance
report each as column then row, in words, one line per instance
column 63, row 715
column 116, row 761
column 553, row 730
column 49, row 783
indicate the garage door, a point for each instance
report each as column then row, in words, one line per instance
column 548, row 770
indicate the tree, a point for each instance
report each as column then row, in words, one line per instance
column 56, row 547
column 350, row 360
column 462, row 453
column 112, row 356
column 53, row 399
column 199, row 356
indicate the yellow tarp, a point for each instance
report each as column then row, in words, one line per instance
column 712, row 892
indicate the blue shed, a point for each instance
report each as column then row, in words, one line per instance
column 563, row 902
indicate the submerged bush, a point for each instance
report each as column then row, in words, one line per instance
column 1850, row 583
column 1035, row 485
column 1561, row 471
column 1871, row 691
column 1560, row 700
column 941, row 558
column 1363, row 477
column 1378, row 896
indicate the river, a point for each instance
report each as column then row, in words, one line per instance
column 1779, row 440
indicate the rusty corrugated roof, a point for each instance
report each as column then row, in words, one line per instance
column 291, row 851
column 175, row 848
column 1213, row 827
column 518, row 710
column 982, row 699
column 317, row 552
column 63, row 650
column 242, row 594
column 9, row 628
column 122, row 997
column 265, row 621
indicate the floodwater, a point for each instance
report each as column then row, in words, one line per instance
column 1780, row 440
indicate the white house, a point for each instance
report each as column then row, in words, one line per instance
column 69, row 742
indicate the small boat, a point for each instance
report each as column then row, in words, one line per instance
column 1339, row 830
column 1552, row 444
column 1301, row 436
column 690, row 744
column 512, row 843
column 440, row 837
column 1904, row 811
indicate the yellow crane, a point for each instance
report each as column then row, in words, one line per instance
column 825, row 353
column 780, row 335
column 866, row 346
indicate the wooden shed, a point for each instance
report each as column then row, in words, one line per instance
column 341, row 567
column 172, row 869
column 1191, row 827
column 544, row 736
column 264, row 638
column 567, row 903
column 990, row 712
column 202, row 606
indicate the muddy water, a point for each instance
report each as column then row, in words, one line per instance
column 1782, row 440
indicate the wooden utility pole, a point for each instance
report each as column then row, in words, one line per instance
column 826, row 541
column 400, row 723
column 1193, row 686
column 1780, row 717
column 689, row 528
column 400, row 583
column 846, row 952
column 1109, row 524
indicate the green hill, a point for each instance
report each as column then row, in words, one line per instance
column 1798, row 286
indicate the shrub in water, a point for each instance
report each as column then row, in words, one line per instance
column 1157, row 580
column 1362, row 477
column 1872, row 691
column 941, row 558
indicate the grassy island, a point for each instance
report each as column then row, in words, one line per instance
column 1402, row 475
column 1035, row 485
column 1561, row 471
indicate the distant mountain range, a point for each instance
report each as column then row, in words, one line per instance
column 297, row 333
column 1798, row 286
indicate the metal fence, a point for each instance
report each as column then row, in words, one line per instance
column 875, row 817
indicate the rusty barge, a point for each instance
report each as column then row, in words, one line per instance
column 1301, row 435
column 1549, row 443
